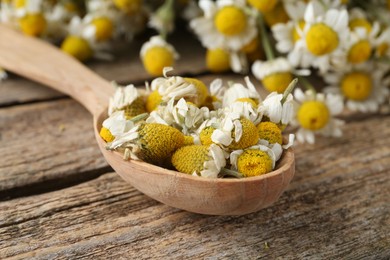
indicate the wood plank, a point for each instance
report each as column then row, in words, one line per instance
column 45, row 142
column 336, row 207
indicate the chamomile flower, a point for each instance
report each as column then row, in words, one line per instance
column 199, row 160
column 151, row 142
column 81, row 48
column 315, row 115
column 225, row 24
column 127, row 99
column 238, row 90
column 32, row 19
column 363, row 87
column 156, row 54
column 382, row 44
column 276, row 109
column 115, row 125
column 163, row 19
column 99, row 26
column 254, row 161
column 167, row 87
column 182, row 115
column 322, row 39
column 275, row 74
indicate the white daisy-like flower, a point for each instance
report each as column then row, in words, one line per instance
column 315, row 115
column 245, row 109
column 261, row 156
column 382, row 44
column 362, row 86
column 181, row 115
column 226, row 24
column 238, row 91
column 322, row 39
column 123, row 97
column 30, row 7
column 156, row 54
column 173, row 87
column 213, row 166
column 191, row 11
column 223, row 134
column 277, row 111
column 118, row 124
column 100, row 26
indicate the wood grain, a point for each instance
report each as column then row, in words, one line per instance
column 46, row 142
column 336, row 207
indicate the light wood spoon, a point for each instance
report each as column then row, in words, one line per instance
column 44, row 63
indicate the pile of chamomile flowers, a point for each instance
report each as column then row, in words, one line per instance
column 224, row 130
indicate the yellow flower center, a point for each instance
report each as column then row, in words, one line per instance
column 230, row 20
column 271, row 132
column 263, row 5
column 190, row 159
column 136, row 108
column 188, row 140
column 205, row 135
column 158, row 142
column 247, row 100
column 217, row 60
column 254, row 163
column 295, row 34
column 360, row 22
column 201, row 90
column 360, row 52
column 313, row 115
column 277, row 82
column 19, row 3
column 77, row 47
column 33, row 24
column 356, row 86
column 381, row 49
column 106, row 135
column 276, row 15
column 153, row 100
column 249, row 137
column 321, row 39
column 128, row 6
column 104, row 28
column 156, row 58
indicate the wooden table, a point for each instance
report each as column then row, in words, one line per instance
column 60, row 199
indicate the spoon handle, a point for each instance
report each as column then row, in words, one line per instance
column 46, row 64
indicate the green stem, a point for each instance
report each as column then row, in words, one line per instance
column 289, row 89
column 139, row 117
column 265, row 40
column 167, row 15
column 228, row 172
column 307, row 84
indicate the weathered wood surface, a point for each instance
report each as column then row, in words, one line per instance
column 59, row 198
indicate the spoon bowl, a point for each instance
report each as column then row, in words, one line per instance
column 44, row 63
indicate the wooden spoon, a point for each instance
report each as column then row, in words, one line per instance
column 44, row 63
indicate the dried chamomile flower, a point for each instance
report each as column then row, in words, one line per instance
column 235, row 133
column 182, row 115
column 151, row 142
column 226, row 24
column 156, row 54
column 255, row 160
column 127, row 99
column 277, row 109
column 167, row 87
column 199, row 160
column 237, row 91
column 270, row 132
column 116, row 124
column 315, row 114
